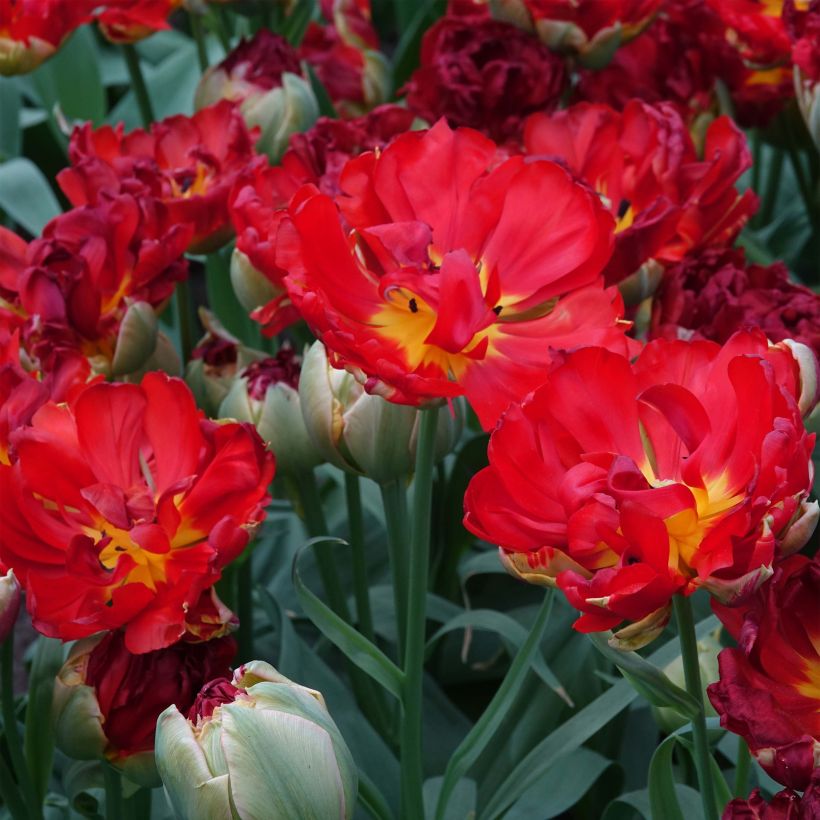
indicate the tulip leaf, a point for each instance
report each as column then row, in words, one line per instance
column 663, row 799
column 628, row 805
column 372, row 799
column 296, row 23
column 571, row 734
column 649, row 681
column 462, row 801
column 353, row 644
column 26, row 196
column 10, row 105
column 406, row 55
column 512, row 633
column 326, row 107
column 39, row 737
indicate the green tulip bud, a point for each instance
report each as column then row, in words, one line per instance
column 136, row 340
column 266, row 395
column 361, row 433
column 258, row 748
column 9, row 603
column 252, row 288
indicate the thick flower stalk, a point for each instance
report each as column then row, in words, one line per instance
column 123, row 506
column 625, row 484
column 31, row 31
column 107, row 700
column 259, row 746
column 187, row 165
column 769, row 687
column 465, row 292
column 667, row 200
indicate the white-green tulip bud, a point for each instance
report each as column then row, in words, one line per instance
column 258, row 748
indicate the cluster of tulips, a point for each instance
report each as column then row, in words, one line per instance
column 521, row 225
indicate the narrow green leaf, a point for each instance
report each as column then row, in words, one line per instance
column 71, row 79
column 10, row 105
column 406, row 55
column 372, row 799
column 296, row 23
column 326, row 108
column 26, row 196
column 513, row 634
column 575, row 731
column 663, row 800
column 354, row 645
column 462, row 801
column 39, row 732
column 647, row 678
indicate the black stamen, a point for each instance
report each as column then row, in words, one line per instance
column 497, row 310
column 623, row 208
column 414, row 308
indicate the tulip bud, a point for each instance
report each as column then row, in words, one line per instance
column 136, row 339
column 361, row 433
column 266, row 395
column 215, row 363
column 264, row 77
column 260, row 746
column 106, row 700
column 252, row 288
column 808, row 99
column 667, row 718
column 9, row 603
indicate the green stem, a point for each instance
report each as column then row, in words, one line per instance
column 199, row 39
column 769, row 197
column 394, row 502
column 361, row 591
column 757, row 160
column 803, row 182
column 132, row 62
column 18, row 760
column 184, row 311
column 744, row 763
column 412, row 769
column 691, row 671
column 113, row 793
column 216, row 22
column 138, row 806
column 497, row 710
column 367, row 695
column 316, row 525
column 10, row 792
column 244, row 600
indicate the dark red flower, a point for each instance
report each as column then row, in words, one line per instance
column 126, row 21
column 91, row 266
column 438, row 272
column 756, row 28
column 123, row 507
column 666, row 200
column 130, row 691
column 590, row 29
column 716, row 292
column 345, row 56
column 785, row 805
column 769, row 687
column 31, row 31
column 188, row 164
column 484, row 74
column 803, row 27
column 682, row 58
column 628, row 483
column 316, row 156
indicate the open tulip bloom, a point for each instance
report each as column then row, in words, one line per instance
column 458, row 358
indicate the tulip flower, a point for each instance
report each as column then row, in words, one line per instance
column 363, row 434
column 182, row 166
column 438, row 273
column 592, row 30
column 107, row 700
column 258, row 747
column 264, row 78
column 768, row 689
column 266, row 394
column 785, row 805
column 127, row 21
column 124, row 505
column 625, row 484
column 803, row 27
column 31, row 31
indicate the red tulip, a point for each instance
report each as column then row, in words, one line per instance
column 126, row 21
column 439, row 272
column 123, row 507
column 769, row 687
column 625, row 484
